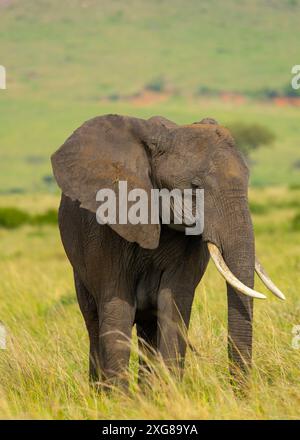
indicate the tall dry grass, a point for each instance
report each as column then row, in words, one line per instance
column 43, row 372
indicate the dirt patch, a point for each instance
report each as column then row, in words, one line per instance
column 239, row 99
column 141, row 99
column 236, row 98
column 148, row 97
column 284, row 101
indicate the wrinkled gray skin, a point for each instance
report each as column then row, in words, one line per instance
column 147, row 274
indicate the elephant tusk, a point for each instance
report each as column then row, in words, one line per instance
column 228, row 275
column 267, row 281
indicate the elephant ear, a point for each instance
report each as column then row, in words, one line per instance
column 163, row 121
column 102, row 152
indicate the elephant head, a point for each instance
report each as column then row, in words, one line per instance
column 156, row 153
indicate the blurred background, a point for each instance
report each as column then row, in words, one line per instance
column 69, row 60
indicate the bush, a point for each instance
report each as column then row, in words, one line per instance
column 206, row 91
column 156, row 85
column 13, row 217
column 257, row 208
column 296, row 164
column 294, row 186
column 290, row 92
column 48, row 179
column 270, row 93
column 296, row 222
column 266, row 93
column 47, row 218
column 249, row 137
column 114, row 97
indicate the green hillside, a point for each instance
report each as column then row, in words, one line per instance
column 84, row 48
column 64, row 58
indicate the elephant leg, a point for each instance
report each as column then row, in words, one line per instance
column 147, row 342
column 174, row 310
column 174, row 303
column 116, row 318
column 89, row 311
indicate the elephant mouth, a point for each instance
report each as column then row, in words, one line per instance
column 186, row 215
column 175, row 227
column 181, row 227
column 231, row 279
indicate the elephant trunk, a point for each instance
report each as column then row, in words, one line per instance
column 239, row 255
column 231, row 245
column 232, row 250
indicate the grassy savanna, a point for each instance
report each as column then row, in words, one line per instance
column 69, row 61
column 44, row 369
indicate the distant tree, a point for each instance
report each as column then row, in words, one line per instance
column 296, row 222
column 249, row 137
column 290, row 92
column 296, row 164
column 156, row 85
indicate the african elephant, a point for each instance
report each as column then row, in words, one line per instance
column 146, row 274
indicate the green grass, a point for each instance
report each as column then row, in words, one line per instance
column 44, row 371
column 42, row 129
column 87, row 48
column 62, row 59
column 11, row 217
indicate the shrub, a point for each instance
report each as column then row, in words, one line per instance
column 114, row 97
column 156, row 85
column 290, row 92
column 67, row 300
column 206, row 91
column 266, row 93
column 296, row 164
column 48, row 179
column 296, row 222
column 294, row 186
column 270, row 93
column 14, row 190
column 257, row 208
column 249, row 137
column 13, row 217
column 34, row 159
column 47, row 218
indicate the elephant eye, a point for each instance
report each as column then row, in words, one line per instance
column 196, row 182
